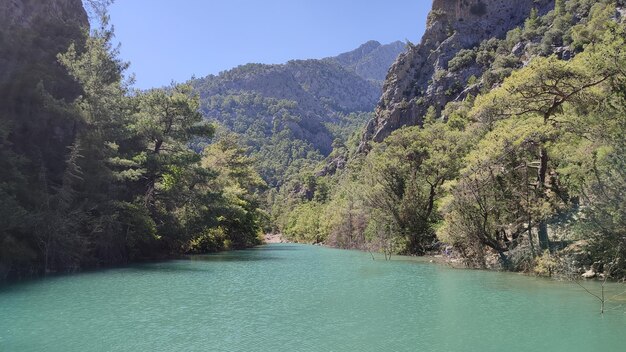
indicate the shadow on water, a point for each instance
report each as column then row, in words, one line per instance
column 259, row 253
column 164, row 269
column 256, row 254
column 232, row 258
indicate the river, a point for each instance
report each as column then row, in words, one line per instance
column 285, row 297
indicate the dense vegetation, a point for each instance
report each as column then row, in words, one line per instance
column 282, row 136
column 525, row 173
column 288, row 115
column 94, row 174
column 528, row 175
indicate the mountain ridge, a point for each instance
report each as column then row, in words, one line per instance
column 299, row 108
column 371, row 60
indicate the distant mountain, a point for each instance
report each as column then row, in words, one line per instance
column 320, row 87
column 371, row 60
column 294, row 111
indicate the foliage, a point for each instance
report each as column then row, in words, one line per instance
column 463, row 58
column 526, row 168
column 117, row 180
column 546, row 118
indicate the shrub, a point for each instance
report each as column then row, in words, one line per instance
column 462, row 59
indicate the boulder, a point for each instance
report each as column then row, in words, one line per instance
column 589, row 274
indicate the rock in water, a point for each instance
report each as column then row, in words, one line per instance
column 589, row 274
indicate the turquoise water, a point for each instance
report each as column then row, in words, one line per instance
column 304, row 298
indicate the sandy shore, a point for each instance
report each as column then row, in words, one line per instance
column 274, row 238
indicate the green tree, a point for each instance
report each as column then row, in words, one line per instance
column 406, row 174
column 541, row 89
column 167, row 120
column 238, row 206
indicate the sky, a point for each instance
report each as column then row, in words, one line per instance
column 166, row 40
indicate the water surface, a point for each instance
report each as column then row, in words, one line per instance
column 304, row 298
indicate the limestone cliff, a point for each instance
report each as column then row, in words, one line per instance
column 417, row 80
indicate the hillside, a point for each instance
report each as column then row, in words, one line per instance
column 292, row 113
column 92, row 174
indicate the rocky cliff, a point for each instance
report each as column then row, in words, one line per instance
column 32, row 34
column 27, row 13
column 419, row 78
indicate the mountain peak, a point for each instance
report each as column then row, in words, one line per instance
column 370, row 60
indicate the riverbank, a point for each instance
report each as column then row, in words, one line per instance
column 274, row 238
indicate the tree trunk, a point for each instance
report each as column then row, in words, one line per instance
column 543, row 168
column 544, row 242
column 529, row 214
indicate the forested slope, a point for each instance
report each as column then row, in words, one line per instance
column 93, row 173
column 524, row 170
column 291, row 114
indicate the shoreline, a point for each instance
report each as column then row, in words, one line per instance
column 453, row 261
column 270, row 238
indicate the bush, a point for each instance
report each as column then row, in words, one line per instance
column 212, row 240
column 545, row 265
column 462, row 59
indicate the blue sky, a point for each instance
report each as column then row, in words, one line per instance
column 169, row 40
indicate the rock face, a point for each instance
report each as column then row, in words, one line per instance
column 413, row 83
column 371, row 60
column 32, row 34
column 27, row 13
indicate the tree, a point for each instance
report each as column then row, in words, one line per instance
column 550, row 107
column 542, row 88
column 167, row 120
column 559, row 7
column 238, row 206
column 495, row 201
column 406, row 174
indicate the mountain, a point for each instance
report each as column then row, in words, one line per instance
column 293, row 112
column 322, row 88
column 371, row 60
column 439, row 68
